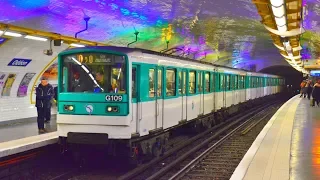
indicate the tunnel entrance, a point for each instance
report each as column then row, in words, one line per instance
column 292, row 76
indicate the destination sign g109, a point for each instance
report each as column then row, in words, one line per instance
column 98, row 58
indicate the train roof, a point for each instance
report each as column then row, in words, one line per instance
column 130, row 50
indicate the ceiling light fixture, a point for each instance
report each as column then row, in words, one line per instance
column 35, row 38
column 278, row 9
column 77, row 45
column 10, row 34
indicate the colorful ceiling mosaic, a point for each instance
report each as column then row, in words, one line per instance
column 226, row 32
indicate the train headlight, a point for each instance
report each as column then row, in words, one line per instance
column 109, row 109
column 112, row 109
column 68, row 107
column 115, row 109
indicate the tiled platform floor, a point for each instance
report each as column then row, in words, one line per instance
column 269, row 156
column 16, row 131
column 305, row 143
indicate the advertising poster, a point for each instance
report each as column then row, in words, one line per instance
column 3, row 78
column 24, row 84
column 8, row 84
column 51, row 73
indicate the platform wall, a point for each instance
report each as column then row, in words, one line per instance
column 13, row 107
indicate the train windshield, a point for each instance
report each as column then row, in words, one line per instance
column 94, row 72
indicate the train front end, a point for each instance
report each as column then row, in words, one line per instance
column 93, row 98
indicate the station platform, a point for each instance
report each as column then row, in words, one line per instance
column 19, row 136
column 287, row 148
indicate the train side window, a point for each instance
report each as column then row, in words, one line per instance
column 159, row 91
column 244, row 82
column 222, row 82
column 213, row 80
column 192, row 82
column 236, row 82
column 228, row 82
column 171, row 82
column 151, row 83
column 219, row 81
column 184, row 75
column 199, row 78
column 207, row 80
column 252, row 82
column 180, row 87
column 134, row 85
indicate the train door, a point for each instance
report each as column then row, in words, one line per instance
column 200, row 91
column 136, row 105
column 233, row 89
column 159, row 97
column 248, row 87
column 183, row 85
column 224, row 90
column 213, row 89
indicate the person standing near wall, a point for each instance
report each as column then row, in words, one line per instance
column 44, row 94
column 310, row 87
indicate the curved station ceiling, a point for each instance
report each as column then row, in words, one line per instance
column 236, row 33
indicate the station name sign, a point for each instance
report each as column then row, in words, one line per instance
column 19, row 62
column 2, row 40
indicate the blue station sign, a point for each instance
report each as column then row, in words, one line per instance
column 2, row 40
column 19, row 62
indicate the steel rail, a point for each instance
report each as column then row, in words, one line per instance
column 196, row 160
column 236, row 119
column 206, row 142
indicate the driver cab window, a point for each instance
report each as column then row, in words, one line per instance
column 94, row 72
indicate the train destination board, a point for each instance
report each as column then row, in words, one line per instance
column 97, row 58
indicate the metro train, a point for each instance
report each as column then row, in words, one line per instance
column 129, row 100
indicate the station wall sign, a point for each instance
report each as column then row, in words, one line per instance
column 2, row 40
column 19, row 62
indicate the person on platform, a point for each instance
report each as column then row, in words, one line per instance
column 316, row 92
column 44, row 94
column 303, row 90
column 310, row 87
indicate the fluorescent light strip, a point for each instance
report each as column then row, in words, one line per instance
column 282, row 28
column 280, row 21
column 35, row 38
column 278, row 11
column 277, row 2
column 10, row 34
column 77, row 45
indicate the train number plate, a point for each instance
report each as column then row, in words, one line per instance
column 117, row 98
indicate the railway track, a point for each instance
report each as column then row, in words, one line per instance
column 221, row 158
column 179, row 163
column 52, row 166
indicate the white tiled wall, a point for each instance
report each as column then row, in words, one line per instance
column 13, row 107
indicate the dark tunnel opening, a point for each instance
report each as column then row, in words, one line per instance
column 292, row 76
